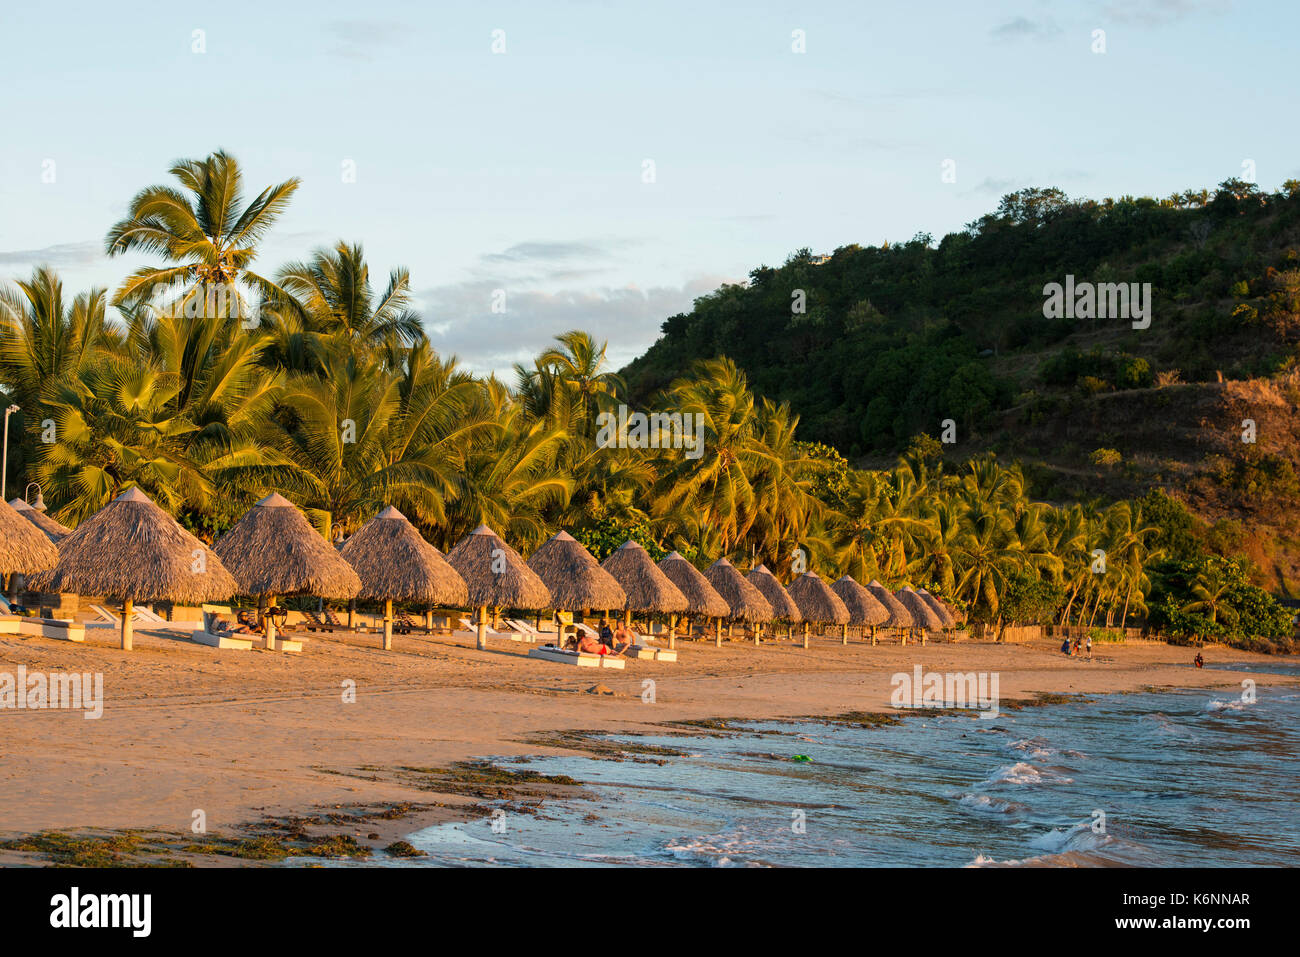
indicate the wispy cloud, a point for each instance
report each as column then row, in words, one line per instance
column 1022, row 28
column 460, row 318
column 365, row 39
column 1162, row 12
column 59, row 256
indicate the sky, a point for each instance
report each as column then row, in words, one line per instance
column 603, row 164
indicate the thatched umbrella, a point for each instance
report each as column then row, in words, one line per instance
column 923, row 615
column 133, row 551
column 939, row 608
column 395, row 563
column 783, row 606
column 496, row 577
column 899, row 616
column 574, row 577
column 54, row 530
column 23, row 549
column 744, row 600
column 648, row 589
column 702, row 599
column 273, row 551
column 817, row 602
column 864, row 610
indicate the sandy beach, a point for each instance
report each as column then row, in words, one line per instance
column 243, row 736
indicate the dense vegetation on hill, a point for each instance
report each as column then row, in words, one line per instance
column 876, row 344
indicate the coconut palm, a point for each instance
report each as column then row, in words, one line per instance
column 203, row 229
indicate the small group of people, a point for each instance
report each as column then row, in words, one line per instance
column 607, row 641
column 1080, row 646
column 246, row 624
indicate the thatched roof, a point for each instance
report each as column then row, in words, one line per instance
column 745, row 601
column 495, row 574
column 646, row 587
column 783, row 606
column 55, row 531
column 22, row 546
column 132, row 549
column 938, row 607
column 863, row 607
column 395, row 563
column 899, row 616
column 575, row 579
column 923, row 615
column 701, row 597
column 273, row 550
column 816, row 600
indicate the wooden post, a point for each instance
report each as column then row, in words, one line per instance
column 672, row 631
column 758, row 630
column 717, row 632
column 805, row 636
column 428, row 620
column 352, row 614
column 844, row 634
column 128, row 609
column 388, row 624
column 873, row 634
column 482, row 629
column 269, row 623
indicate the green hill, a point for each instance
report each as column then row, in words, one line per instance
column 873, row 345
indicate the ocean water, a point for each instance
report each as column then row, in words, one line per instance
column 1168, row 779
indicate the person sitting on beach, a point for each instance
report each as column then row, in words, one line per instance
column 1198, row 660
column 624, row 638
column 606, row 633
column 584, row 643
column 1065, row 647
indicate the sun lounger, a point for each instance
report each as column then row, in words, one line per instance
column 579, row 659
column 529, row 632
column 639, row 650
column 493, row 633
column 212, row 637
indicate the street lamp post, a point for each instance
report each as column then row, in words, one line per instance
column 39, row 504
column 4, row 462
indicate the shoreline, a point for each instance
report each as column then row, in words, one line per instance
column 264, row 746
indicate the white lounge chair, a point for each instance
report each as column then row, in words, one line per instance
column 493, row 633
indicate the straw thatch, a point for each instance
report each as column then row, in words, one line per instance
column 899, row 616
column 745, row 601
column 864, row 609
column 54, row 530
column 575, row 579
column 938, row 607
column 273, row 550
column 923, row 615
column 395, row 563
column 702, row 599
column 646, row 587
column 783, row 606
column 131, row 550
column 816, row 600
column 495, row 574
column 23, row 548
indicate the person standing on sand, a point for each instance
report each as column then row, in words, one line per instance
column 1089, row 646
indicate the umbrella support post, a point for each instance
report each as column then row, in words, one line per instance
column 482, row 629
column 352, row 615
column 844, row 634
column 757, row 632
column 388, row 625
column 873, row 634
column 717, row 634
column 128, row 609
column 805, row 636
column 672, row 631
column 922, row 637
column 428, row 621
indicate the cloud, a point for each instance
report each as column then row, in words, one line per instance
column 59, row 256
column 1161, row 12
column 1022, row 28
column 365, row 39
column 460, row 320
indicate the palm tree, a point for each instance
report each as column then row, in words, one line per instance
column 331, row 295
column 204, row 230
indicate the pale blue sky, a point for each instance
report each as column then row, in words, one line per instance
column 523, row 171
